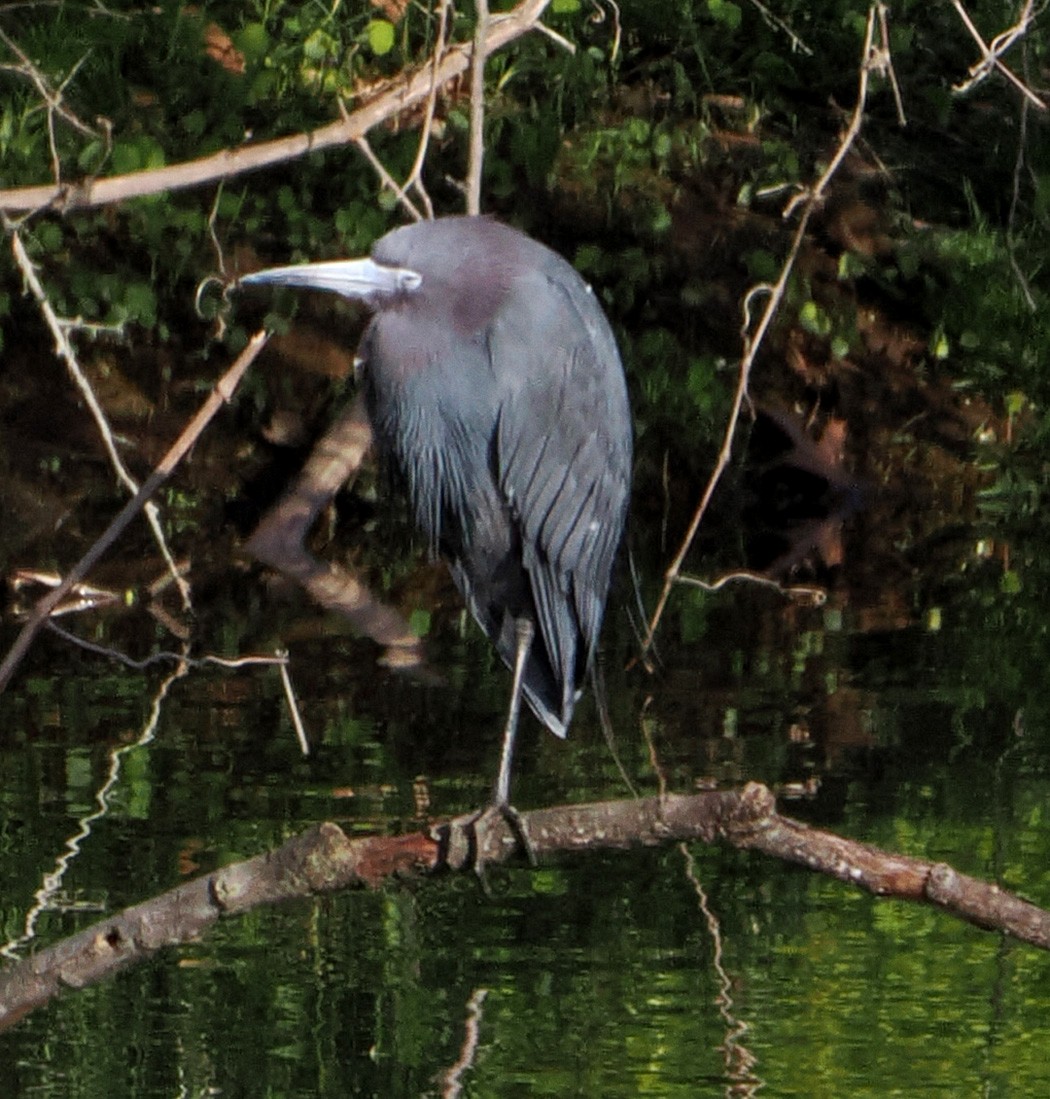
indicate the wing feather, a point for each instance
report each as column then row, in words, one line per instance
column 563, row 454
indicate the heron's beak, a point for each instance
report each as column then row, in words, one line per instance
column 352, row 278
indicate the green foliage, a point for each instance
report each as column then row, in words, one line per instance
column 380, row 36
column 617, row 147
column 726, row 13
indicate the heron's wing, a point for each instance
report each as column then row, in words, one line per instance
column 563, row 454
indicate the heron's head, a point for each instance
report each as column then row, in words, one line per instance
column 466, row 266
column 455, row 267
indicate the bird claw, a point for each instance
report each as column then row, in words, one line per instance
column 514, row 821
column 471, row 841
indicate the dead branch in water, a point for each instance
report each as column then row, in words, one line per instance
column 324, row 860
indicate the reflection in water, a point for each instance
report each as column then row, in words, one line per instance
column 593, row 967
column 740, row 1062
column 452, row 1080
column 49, row 897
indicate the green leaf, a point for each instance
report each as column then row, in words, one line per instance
column 88, row 157
column 194, row 122
column 48, row 236
column 725, row 12
column 565, row 7
column 380, row 36
column 253, row 41
column 320, row 46
column 761, row 264
column 850, row 266
column 814, row 320
column 1010, row 583
column 125, row 157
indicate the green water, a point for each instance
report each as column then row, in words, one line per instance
column 596, row 975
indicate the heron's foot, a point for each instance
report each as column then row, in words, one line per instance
column 514, row 821
column 476, row 840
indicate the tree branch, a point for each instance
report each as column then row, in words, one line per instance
column 323, row 860
column 221, row 394
column 502, row 30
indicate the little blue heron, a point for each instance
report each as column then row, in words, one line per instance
column 495, row 388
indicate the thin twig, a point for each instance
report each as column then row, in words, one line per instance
column 773, row 20
column 414, row 179
column 991, row 54
column 810, row 594
column 67, row 353
column 280, row 659
column 387, row 179
column 1015, row 198
column 556, row 38
column 220, row 394
column 53, row 99
column 886, row 58
column 216, row 244
column 810, row 201
column 598, row 16
column 477, row 108
column 293, row 705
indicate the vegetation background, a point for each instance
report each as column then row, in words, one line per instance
column 894, row 450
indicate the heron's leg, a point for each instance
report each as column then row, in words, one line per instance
column 524, row 632
column 466, row 839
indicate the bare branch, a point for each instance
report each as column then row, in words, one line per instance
column 504, row 28
column 221, row 393
column 293, row 706
column 52, row 98
column 477, row 108
column 774, row 21
column 387, row 179
column 67, row 353
column 809, row 199
column 598, row 16
column 991, row 54
column 325, row 860
column 415, row 176
column 809, row 594
column 278, row 659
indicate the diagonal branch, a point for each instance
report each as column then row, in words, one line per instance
column 991, row 55
column 872, row 59
column 503, row 29
column 221, row 394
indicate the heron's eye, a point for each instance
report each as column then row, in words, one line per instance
column 409, row 280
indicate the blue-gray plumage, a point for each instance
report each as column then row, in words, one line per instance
column 495, row 387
